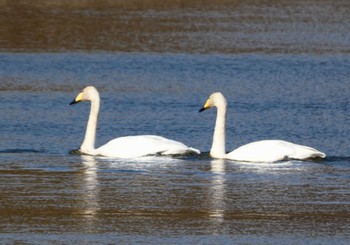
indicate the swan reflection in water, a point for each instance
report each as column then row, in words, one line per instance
column 217, row 190
column 90, row 190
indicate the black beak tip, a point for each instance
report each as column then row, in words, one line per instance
column 73, row 102
column 202, row 109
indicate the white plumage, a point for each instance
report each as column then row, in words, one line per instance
column 128, row 146
column 259, row 151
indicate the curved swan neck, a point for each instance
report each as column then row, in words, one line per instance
column 218, row 147
column 88, row 144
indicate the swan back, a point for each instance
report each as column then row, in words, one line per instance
column 143, row 145
column 272, row 151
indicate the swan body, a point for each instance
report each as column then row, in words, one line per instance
column 142, row 145
column 272, row 151
column 127, row 146
column 259, row 151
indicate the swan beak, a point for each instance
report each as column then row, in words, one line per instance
column 78, row 99
column 202, row 109
column 206, row 106
column 73, row 102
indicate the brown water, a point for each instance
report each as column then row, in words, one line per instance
column 89, row 200
column 316, row 26
column 284, row 67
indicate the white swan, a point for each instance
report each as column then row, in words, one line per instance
column 259, row 151
column 128, row 146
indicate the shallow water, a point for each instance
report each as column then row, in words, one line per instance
column 298, row 93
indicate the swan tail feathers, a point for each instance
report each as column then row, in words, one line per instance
column 180, row 151
column 305, row 152
column 194, row 150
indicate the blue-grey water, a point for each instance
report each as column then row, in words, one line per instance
column 51, row 195
column 283, row 66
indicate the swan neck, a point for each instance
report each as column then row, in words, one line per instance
column 88, row 145
column 218, row 146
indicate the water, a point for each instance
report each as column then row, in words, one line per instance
column 51, row 196
column 192, row 26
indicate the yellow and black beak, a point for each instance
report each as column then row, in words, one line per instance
column 206, row 106
column 78, row 99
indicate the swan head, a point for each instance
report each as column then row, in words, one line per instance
column 88, row 94
column 216, row 99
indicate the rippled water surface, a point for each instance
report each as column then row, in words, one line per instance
column 293, row 26
column 49, row 195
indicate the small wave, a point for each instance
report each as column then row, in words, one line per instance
column 31, row 84
column 21, row 151
column 337, row 159
column 75, row 152
column 187, row 156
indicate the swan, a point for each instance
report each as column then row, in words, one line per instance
column 258, row 151
column 127, row 146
